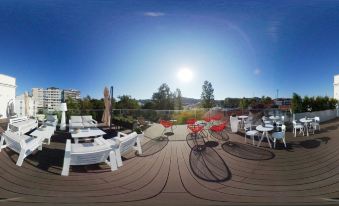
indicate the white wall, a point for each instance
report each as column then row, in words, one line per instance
column 7, row 94
column 324, row 115
column 336, row 87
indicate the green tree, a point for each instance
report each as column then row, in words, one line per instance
column 163, row 99
column 207, row 96
column 231, row 102
column 296, row 104
column 127, row 102
column 178, row 99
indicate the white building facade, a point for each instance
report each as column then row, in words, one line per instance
column 38, row 95
column 7, row 96
column 20, row 106
column 52, row 98
column 71, row 93
column 336, row 87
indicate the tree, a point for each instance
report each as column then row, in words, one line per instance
column 231, row 102
column 207, row 96
column 127, row 102
column 163, row 99
column 178, row 99
column 297, row 102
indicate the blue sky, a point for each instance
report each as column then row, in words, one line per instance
column 244, row 48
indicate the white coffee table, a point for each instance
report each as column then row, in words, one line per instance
column 45, row 132
column 86, row 133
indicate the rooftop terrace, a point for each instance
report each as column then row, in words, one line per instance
column 170, row 173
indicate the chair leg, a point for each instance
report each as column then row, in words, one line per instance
column 274, row 141
column 21, row 157
column 245, row 138
column 113, row 161
column 118, row 157
column 253, row 139
column 284, row 142
column 295, row 132
column 139, row 146
column 2, row 143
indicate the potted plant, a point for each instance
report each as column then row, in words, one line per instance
column 140, row 133
column 234, row 123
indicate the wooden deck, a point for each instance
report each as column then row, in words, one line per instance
column 170, row 173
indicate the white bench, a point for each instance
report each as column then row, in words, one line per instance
column 24, row 145
column 22, row 125
column 51, row 120
column 88, row 153
column 124, row 143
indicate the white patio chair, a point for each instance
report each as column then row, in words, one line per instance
column 124, row 143
column 249, row 131
column 279, row 136
column 87, row 154
column 316, row 124
column 297, row 126
column 75, row 122
column 281, row 121
column 24, row 145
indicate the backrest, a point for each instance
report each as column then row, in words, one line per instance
column 87, row 118
column 294, row 122
column 247, row 126
column 127, row 142
column 89, row 154
column 283, row 128
column 317, row 119
column 282, row 118
column 13, row 141
column 18, row 119
column 76, row 119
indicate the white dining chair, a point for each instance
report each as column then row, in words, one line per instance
column 298, row 126
column 279, row 136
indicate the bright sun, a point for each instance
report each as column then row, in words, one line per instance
column 185, row 75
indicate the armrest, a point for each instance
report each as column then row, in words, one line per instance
column 121, row 134
column 68, row 146
column 94, row 121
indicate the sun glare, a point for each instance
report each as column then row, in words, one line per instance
column 185, row 75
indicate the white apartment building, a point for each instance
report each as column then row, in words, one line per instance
column 71, row 93
column 20, row 106
column 52, row 98
column 7, row 95
column 336, row 86
column 38, row 95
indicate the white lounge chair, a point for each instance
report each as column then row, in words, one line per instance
column 22, row 125
column 124, row 143
column 88, row 153
column 24, row 145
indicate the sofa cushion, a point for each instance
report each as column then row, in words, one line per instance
column 76, row 119
column 87, row 118
column 89, row 148
column 51, row 118
column 77, row 125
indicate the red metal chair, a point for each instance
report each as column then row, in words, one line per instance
column 218, row 131
column 216, row 117
column 166, row 125
column 196, row 131
column 191, row 121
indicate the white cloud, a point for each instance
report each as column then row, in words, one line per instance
column 154, row 14
column 257, row 71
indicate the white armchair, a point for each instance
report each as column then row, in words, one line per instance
column 88, row 121
column 124, row 143
column 51, row 120
column 88, row 153
column 22, row 125
column 24, row 145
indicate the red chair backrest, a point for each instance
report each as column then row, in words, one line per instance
column 195, row 128
column 207, row 119
column 165, row 123
column 216, row 117
column 191, row 121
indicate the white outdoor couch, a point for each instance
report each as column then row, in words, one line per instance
column 22, row 125
column 24, row 145
column 51, row 120
column 77, row 122
column 124, row 143
column 88, row 153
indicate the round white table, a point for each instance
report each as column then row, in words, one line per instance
column 306, row 121
column 242, row 117
column 264, row 129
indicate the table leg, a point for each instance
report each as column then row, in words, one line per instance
column 262, row 137
column 268, row 139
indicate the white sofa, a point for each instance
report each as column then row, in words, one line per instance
column 24, row 145
column 77, row 122
column 88, row 153
column 22, row 125
column 124, row 143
